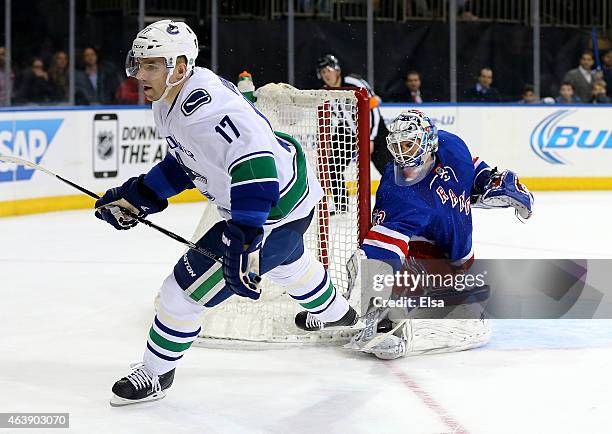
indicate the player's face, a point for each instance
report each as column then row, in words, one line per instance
column 330, row 76
column 410, row 175
column 152, row 75
column 410, row 148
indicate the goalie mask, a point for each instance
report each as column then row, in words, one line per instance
column 412, row 140
column 164, row 39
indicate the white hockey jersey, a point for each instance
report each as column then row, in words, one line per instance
column 212, row 130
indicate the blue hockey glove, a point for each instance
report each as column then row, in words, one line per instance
column 241, row 260
column 133, row 196
column 504, row 190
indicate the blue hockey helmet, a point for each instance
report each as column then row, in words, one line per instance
column 412, row 140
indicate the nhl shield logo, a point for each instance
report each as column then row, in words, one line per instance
column 104, row 146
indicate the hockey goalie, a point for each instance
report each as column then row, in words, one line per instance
column 422, row 225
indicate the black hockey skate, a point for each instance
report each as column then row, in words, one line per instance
column 140, row 386
column 306, row 321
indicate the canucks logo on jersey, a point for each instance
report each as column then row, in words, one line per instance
column 196, row 99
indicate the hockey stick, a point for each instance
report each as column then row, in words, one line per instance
column 21, row 162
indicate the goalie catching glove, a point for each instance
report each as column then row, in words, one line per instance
column 503, row 190
column 132, row 197
column 241, row 259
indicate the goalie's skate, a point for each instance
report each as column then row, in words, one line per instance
column 306, row 321
column 140, row 386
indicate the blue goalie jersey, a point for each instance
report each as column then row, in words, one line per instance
column 434, row 212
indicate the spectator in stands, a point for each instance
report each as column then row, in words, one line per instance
column 529, row 96
column 566, row 94
column 581, row 78
column 3, row 79
column 413, row 84
column 35, row 86
column 463, row 11
column 482, row 91
column 127, row 93
column 58, row 73
column 598, row 94
column 314, row 6
column 97, row 83
column 606, row 65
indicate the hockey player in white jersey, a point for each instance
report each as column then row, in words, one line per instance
column 260, row 181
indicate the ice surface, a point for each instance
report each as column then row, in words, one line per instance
column 76, row 304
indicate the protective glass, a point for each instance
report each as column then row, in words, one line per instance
column 151, row 69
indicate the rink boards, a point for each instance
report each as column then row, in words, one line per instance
column 552, row 147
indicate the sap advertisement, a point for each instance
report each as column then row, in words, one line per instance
column 536, row 141
column 95, row 148
column 102, row 148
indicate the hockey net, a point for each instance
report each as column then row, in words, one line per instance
column 333, row 129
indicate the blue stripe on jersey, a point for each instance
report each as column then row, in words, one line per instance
column 251, row 203
column 259, row 113
column 167, row 178
column 313, row 292
column 176, row 333
column 263, row 191
column 163, row 356
column 250, row 218
column 374, row 252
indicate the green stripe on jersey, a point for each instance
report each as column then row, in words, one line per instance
column 166, row 344
column 290, row 198
column 255, row 168
column 320, row 299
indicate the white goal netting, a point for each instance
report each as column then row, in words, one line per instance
column 326, row 123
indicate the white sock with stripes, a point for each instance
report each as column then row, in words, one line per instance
column 174, row 328
column 308, row 283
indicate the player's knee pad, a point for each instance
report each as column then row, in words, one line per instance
column 174, row 309
column 307, row 283
column 295, row 273
column 200, row 277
